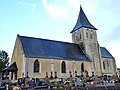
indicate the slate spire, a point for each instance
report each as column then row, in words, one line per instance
column 82, row 21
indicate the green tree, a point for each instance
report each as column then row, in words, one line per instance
column 4, row 60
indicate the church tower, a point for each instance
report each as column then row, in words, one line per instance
column 84, row 34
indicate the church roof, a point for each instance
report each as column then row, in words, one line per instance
column 105, row 53
column 82, row 21
column 44, row 48
column 12, row 67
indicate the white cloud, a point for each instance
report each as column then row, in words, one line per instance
column 34, row 5
column 22, row 3
column 55, row 10
column 115, row 51
column 28, row 5
column 68, row 8
column 89, row 6
column 75, row 4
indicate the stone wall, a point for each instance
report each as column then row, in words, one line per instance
column 54, row 65
column 17, row 57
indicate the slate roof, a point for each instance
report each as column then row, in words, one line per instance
column 82, row 21
column 105, row 53
column 44, row 48
column 12, row 67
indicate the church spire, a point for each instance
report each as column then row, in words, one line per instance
column 82, row 21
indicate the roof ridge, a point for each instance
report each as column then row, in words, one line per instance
column 46, row 39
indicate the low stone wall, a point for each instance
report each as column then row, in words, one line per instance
column 88, row 88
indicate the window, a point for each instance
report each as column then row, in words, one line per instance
column 80, row 36
column 91, row 36
column 36, row 66
column 86, row 34
column 82, row 67
column 110, row 64
column 77, row 38
column 103, row 64
column 63, row 67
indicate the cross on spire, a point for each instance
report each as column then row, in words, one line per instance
column 80, row 2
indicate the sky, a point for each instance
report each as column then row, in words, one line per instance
column 55, row 19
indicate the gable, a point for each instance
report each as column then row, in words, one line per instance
column 44, row 48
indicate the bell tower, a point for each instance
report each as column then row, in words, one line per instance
column 84, row 34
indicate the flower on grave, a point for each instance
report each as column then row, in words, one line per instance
column 52, row 81
column 67, row 86
column 67, row 82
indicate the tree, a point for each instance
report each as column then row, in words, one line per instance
column 4, row 59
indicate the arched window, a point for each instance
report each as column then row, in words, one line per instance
column 82, row 67
column 80, row 36
column 36, row 66
column 63, row 67
column 86, row 34
column 103, row 64
column 91, row 36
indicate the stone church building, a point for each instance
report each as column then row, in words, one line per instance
column 37, row 57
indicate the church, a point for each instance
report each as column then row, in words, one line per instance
column 38, row 58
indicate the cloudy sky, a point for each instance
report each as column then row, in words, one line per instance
column 54, row 19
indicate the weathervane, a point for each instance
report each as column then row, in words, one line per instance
column 80, row 2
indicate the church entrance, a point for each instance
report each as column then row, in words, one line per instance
column 10, row 72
